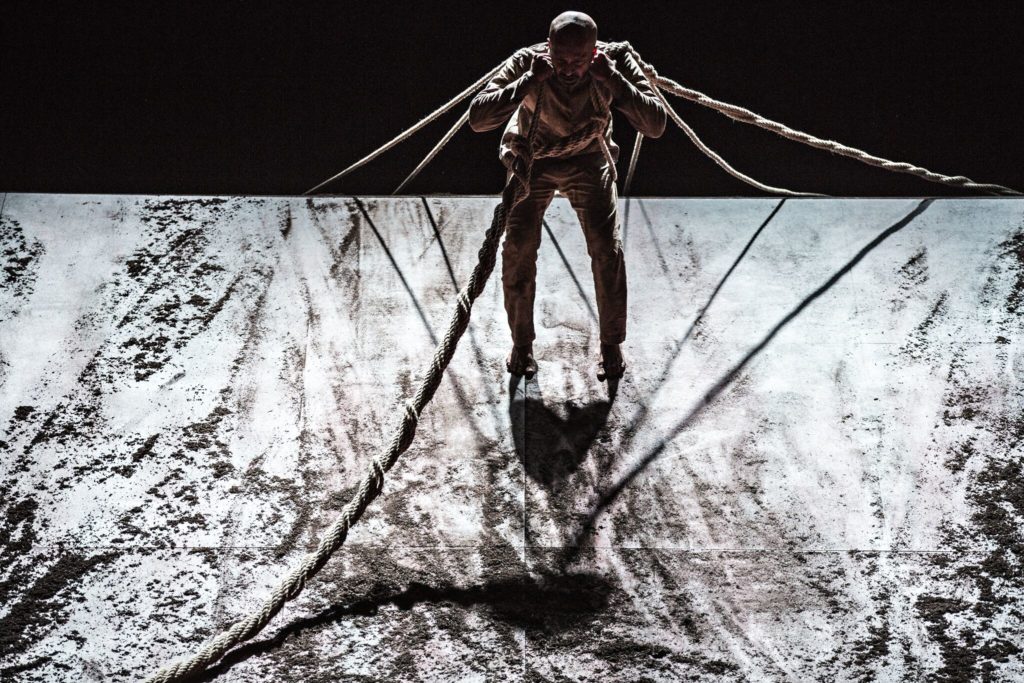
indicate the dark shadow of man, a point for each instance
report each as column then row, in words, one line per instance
column 553, row 443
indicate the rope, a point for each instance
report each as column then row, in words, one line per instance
column 604, row 114
column 714, row 156
column 571, row 144
column 743, row 115
column 373, row 481
column 409, row 132
column 568, row 145
column 632, row 163
column 433, row 153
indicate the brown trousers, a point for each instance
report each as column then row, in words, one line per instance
column 586, row 184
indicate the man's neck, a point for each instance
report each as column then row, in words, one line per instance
column 571, row 87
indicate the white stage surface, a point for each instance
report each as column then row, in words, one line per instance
column 812, row 469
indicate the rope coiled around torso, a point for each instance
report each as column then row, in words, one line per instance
column 583, row 137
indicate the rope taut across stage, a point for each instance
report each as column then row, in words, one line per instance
column 515, row 190
column 660, row 85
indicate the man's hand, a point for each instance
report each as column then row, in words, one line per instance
column 541, row 66
column 601, row 68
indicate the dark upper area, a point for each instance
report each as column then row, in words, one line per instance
column 271, row 98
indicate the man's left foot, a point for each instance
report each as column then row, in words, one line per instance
column 521, row 362
column 611, row 365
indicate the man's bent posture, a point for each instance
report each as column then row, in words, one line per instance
column 570, row 63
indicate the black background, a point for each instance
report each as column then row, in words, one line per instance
column 272, row 98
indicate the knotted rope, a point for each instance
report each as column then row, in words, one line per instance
column 516, row 189
column 579, row 140
column 571, row 144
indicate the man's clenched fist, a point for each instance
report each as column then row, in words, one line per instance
column 601, row 67
column 541, row 66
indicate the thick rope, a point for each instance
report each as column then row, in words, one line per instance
column 373, row 481
column 433, row 153
column 409, row 132
column 632, row 163
column 746, row 116
column 569, row 145
column 714, row 156
column 575, row 142
column 658, row 83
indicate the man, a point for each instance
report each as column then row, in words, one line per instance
column 568, row 64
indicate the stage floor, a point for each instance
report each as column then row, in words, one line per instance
column 812, row 469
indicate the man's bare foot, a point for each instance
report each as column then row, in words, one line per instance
column 520, row 361
column 611, row 365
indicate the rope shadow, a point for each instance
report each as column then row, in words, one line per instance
column 553, row 602
column 460, row 394
column 606, row 499
column 572, row 273
column 478, row 354
column 641, row 415
column 654, row 240
column 398, row 271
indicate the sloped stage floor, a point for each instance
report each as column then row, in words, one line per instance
column 811, row 471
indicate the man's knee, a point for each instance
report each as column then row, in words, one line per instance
column 518, row 272
column 519, row 258
column 605, row 246
column 521, row 245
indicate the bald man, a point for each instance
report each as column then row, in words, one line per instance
column 568, row 63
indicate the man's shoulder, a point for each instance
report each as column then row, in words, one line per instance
column 616, row 49
column 526, row 53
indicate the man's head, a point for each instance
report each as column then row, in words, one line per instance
column 572, row 40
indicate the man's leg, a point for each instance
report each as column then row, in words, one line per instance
column 592, row 194
column 519, row 268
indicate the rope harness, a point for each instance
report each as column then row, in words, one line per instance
column 572, row 144
column 517, row 188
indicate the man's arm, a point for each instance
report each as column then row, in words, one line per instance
column 634, row 97
column 496, row 102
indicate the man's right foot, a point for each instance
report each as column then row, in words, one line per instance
column 611, row 365
column 520, row 361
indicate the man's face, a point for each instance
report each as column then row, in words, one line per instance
column 571, row 61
